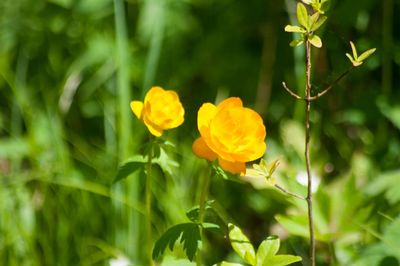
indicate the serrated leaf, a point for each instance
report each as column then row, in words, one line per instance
column 366, row 54
column 353, row 48
column 291, row 28
column 315, row 40
column 295, row 43
column 267, row 249
column 241, row 244
column 191, row 239
column 189, row 235
column 302, row 15
column 281, row 260
column 318, row 23
column 128, row 167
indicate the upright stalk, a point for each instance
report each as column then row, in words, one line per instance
column 127, row 235
column 202, row 208
column 148, row 203
column 307, row 154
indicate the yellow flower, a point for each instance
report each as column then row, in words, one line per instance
column 161, row 110
column 230, row 133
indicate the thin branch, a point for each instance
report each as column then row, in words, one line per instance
column 291, row 92
column 336, row 81
column 289, row 193
column 307, row 154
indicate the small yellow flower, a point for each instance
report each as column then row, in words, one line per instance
column 230, row 133
column 160, row 111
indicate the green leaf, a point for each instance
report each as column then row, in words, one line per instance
column 307, row 2
column 324, row 6
column 171, row 261
column 193, row 213
column 212, row 227
column 302, row 15
column 291, row 28
column 388, row 184
column 295, row 43
column 353, row 48
column 318, row 23
column 296, row 225
column 224, row 263
column 166, row 162
column 391, row 112
column 350, row 57
column 366, row 54
column 315, row 40
column 189, row 234
column 312, row 19
column 128, row 167
column 241, row 244
column 219, row 172
column 391, row 238
column 267, row 249
column 282, row 260
column 353, row 61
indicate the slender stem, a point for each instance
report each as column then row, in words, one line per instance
column 148, row 204
column 288, row 192
column 202, row 208
column 319, row 94
column 336, row 81
column 291, row 92
column 307, row 154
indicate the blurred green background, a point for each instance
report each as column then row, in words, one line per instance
column 69, row 68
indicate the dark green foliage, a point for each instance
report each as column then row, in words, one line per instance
column 189, row 235
column 128, row 168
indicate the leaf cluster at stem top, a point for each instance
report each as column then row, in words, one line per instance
column 308, row 25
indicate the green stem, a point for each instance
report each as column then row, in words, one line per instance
column 202, row 208
column 307, row 154
column 148, row 203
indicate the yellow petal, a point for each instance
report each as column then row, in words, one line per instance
column 233, row 167
column 230, row 102
column 201, row 149
column 137, row 108
column 154, row 130
column 153, row 92
column 206, row 113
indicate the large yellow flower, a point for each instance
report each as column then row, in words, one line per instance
column 230, row 133
column 161, row 110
